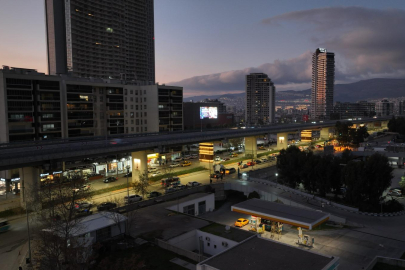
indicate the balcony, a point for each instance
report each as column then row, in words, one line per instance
column 21, row 131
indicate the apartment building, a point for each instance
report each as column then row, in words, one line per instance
column 35, row 106
column 323, row 81
column 347, row 110
column 260, row 99
column 109, row 39
column 384, row 108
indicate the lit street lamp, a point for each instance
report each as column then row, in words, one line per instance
column 127, row 167
column 276, row 177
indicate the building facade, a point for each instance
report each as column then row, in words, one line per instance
column 401, row 107
column 260, row 99
column 35, row 106
column 384, row 108
column 347, row 110
column 111, row 39
column 197, row 116
column 323, row 80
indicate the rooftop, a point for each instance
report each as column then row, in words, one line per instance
column 259, row 253
column 189, row 198
column 98, row 221
column 280, row 212
column 234, row 234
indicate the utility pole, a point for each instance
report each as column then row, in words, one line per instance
column 26, row 213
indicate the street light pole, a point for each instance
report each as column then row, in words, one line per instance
column 127, row 182
column 26, row 213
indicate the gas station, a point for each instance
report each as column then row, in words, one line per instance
column 286, row 214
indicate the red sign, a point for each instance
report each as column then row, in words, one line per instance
column 305, row 117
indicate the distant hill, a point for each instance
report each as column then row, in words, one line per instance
column 351, row 92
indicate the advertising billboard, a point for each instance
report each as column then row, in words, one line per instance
column 208, row 112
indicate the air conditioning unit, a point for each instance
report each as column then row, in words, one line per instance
column 224, row 244
column 207, row 238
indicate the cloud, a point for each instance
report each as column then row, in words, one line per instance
column 368, row 43
column 292, row 71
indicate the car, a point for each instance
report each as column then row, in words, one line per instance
column 105, row 206
column 395, row 192
column 132, row 198
column 185, row 163
column 271, row 158
column 264, row 159
column 83, row 213
column 193, row 184
column 154, row 194
column 217, row 158
column 180, row 187
column 215, row 175
column 178, row 159
column 262, row 147
column 83, row 205
column 174, row 165
column 156, row 173
column 243, row 166
column 151, row 170
column 128, row 174
column 233, row 155
column 250, row 163
column 170, row 190
column 186, row 157
column 230, row 170
column 241, row 222
column 110, row 179
column 258, row 161
column 194, row 156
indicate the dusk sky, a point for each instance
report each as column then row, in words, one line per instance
column 207, row 46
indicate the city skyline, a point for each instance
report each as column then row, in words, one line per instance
column 188, row 55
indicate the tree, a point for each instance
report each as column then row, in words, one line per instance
column 57, row 244
column 308, row 173
column 346, row 156
column 253, row 195
column 359, row 135
column 141, row 186
column 343, row 130
column 235, row 142
column 289, row 165
column 352, row 177
column 334, row 175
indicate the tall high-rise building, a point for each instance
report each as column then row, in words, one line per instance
column 384, row 108
column 109, row 39
column 323, row 79
column 260, row 99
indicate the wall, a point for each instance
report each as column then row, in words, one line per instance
column 215, row 243
column 185, row 241
column 186, row 253
column 209, row 204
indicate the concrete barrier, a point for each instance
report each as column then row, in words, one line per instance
column 183, row 252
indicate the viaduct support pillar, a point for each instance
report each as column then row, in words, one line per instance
column 206, row 154
column 30, row 182
column 282, row 141
column 250, row 147
column 139, row 164
column 325, row 133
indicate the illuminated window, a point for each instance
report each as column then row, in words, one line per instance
column 109, row 30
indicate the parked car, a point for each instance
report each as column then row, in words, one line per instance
column 233, row 155
column 128, row 174
column 264, row 159
column 83, row 212
column 258, row 161
column 186, row 157
column 215, row 175
column 185, row 163
column 230, row 171
column 178, row 159
column 151, row 170
column 226, row 158
column 82, row 188
column 174, row 165
column 250, row 163
column 132, row 198
column 154, row 194
column 193, row 184
column 243, row 166
column 395, row 192
column 262, row 147
column 241, row 222
column 180, row 187
column 217, row 158
column 156, row 173
column 83, row 205
column 170, row 190
column 110, row 179
column 105, row 206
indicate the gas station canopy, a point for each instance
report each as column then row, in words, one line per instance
column 286, row 214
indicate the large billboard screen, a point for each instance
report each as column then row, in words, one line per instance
column 208, row 112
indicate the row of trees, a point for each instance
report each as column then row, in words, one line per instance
column 397, row 125
column 364, row 181
column 347, row 134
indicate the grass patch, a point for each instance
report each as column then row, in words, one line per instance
column 104, row 190
column 267, row 153
column 193, row 170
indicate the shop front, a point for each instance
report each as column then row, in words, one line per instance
column 10, row 185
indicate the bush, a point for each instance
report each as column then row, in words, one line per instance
column 390, row 206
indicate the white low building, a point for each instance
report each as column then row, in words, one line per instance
column 195, row 204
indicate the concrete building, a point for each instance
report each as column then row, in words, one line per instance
column 206, row 114
column 35, row 106
column 384, row 108
column 260, row 99
column 101, row 39
column 346, row 110
column 196, row 204
column 323, row 80
column 401, row 107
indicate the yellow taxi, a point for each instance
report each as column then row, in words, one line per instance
column 185, row 163
column 241, row 222
column 234, row 155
